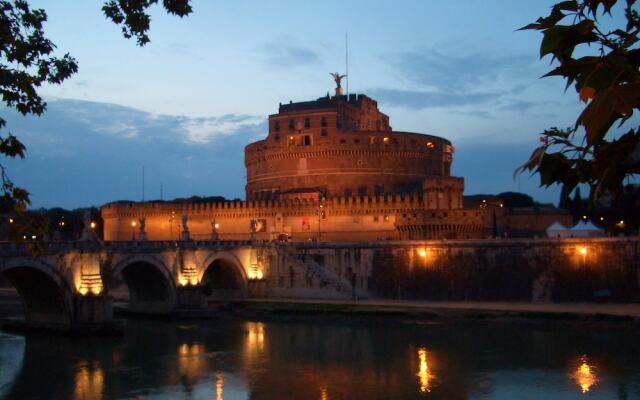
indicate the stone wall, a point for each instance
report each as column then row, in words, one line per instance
column 355, row 218
column 603, row 269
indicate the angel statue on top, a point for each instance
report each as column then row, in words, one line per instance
column 338, row 78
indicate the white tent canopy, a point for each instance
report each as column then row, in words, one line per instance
column 586, row 229
column 557, row 230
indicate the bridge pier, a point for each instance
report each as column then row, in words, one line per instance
column 93, row 310
column 190, row 297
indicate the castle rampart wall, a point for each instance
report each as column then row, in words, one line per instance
column 341, row 218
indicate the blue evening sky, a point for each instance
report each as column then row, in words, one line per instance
column 185, row 105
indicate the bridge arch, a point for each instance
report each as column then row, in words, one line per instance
column 151, row 285
column 223, row 276
column 46, row 295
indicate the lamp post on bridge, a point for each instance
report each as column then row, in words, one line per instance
column 321, row 215
column 133, row 230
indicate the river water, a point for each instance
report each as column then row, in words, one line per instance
column 233, row 359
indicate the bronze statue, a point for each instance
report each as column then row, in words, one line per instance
column 337, row 77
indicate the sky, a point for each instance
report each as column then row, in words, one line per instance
column 184, row 106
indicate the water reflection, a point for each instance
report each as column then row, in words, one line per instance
column 323, row 393
column 310, row 360
column 89, row 381
column 585, row 375
column 424, row 374
column 191, row 365
column 219, row 386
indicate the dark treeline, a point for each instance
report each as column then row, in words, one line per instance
column 621, row 215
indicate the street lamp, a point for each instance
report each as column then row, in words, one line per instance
column 321, row 215
column 173, row 216
column 133, row 230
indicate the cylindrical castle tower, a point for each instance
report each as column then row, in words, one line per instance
column 340, row 146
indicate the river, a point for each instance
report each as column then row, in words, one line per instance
column 321, row 359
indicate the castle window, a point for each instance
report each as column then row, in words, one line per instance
column 307, row 123
column 323, row 132
column 300, row 140
column 376, row 218
column 276, row 126
column 276, row 137
column 323, row 122
column 292, row 124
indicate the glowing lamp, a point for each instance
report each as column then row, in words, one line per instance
column 93, row 225
column 582, row 250
column 423, row 253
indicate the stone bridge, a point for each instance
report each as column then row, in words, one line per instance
column 70, row 284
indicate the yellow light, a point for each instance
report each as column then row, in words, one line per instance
column 219, row 386
column 182, row 281
column 582, row 250
column 11, row 220
column 430, row 145
column 255, row 273
column 324, row 395
column 385, row 139
column 425, row 376
column 83, row 290
column 423, row 253
column 585, row 376
column 584, row 217
column 216, row 226
column 93, row 225
column 133, row 223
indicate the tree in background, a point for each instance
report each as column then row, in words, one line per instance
column 27, row 62
column 607, row 79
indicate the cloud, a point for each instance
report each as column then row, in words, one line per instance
column 517, row 105
column 438, row 79
column 429, row 99
column 81, row 153
column 203, row 130
column 286, row 55
column 457, row 73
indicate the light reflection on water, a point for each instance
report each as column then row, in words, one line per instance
column 315, row 360
column 424, row 373
column 585, row 375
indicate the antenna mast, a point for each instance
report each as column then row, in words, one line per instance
column 346, row 50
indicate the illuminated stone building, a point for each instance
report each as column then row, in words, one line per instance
column 329, row 169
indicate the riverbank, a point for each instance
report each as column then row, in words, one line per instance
column 288, row 309
column 416, row 310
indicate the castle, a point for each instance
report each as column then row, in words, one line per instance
column 331, row 169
